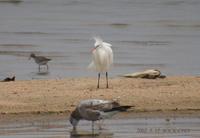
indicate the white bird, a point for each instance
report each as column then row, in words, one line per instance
column 95, row 109
column 102, row 58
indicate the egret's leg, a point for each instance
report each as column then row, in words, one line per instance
column 98, row 80
column 107, row 79
column 47, row 67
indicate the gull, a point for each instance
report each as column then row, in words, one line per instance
column 102, row 58
column 40, row 60
column 95, row 109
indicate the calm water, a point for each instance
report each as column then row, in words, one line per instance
column 162, row 34
column 114, row 128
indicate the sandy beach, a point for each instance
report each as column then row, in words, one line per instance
column 177, row 94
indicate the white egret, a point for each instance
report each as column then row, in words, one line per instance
column 102, row 58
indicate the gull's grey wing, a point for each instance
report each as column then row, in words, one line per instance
column 96, row 104
column 93, row 108
column 91, row 115
column 105, row 106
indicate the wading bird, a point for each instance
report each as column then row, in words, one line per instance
column 102, row 58
column 95, row 109
column 40, row 60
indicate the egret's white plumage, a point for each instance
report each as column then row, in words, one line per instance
column 95, row 109
column 102, row 57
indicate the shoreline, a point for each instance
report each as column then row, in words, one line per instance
column 6, row 119
column 174, row 94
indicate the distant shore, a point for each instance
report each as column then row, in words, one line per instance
column 178, row 94
column 12, row 1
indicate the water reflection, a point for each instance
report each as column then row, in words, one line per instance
column 11, row 1
column 89, row 134
column 115, row 128
column 43, row 73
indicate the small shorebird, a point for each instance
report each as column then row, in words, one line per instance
column 102, row 58
column 95, row 109
column 40, row 60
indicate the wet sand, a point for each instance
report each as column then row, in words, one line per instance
column 178, row 94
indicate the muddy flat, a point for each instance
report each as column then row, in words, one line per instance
column 177, row 94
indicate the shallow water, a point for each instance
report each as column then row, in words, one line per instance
column 162, row 34
column 114, row 128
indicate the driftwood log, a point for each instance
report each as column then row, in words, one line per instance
column 147, row 74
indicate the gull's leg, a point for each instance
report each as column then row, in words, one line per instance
column 98, row 80
column 100, row 124
column 74, row 128
column 92, row 127
column 74, row 131
column 39, row 68
column 107, row 79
